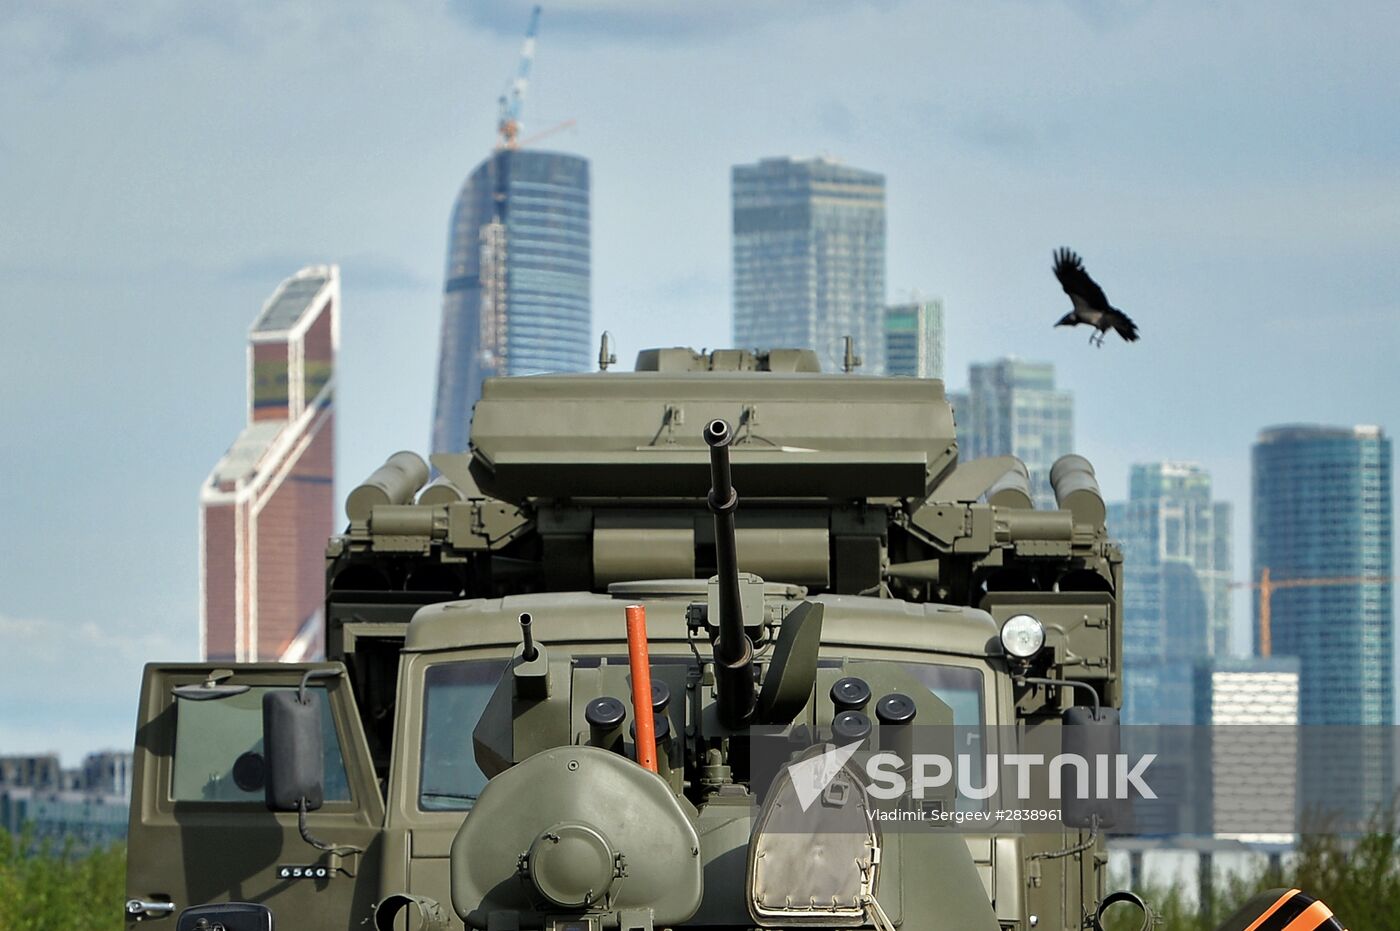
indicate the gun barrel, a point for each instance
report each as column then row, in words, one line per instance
column 527, row 639
column 733, row 649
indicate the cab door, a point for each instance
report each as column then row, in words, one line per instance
column 199, row 831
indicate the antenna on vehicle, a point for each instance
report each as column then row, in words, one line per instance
column 606, row 356
column 851, row 361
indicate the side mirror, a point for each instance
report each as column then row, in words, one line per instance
column 294, row 752
column 1092, row 734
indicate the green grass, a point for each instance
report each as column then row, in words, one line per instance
column 1359, row 879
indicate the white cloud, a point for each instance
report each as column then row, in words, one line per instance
column 72, row 688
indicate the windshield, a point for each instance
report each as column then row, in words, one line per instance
column 456, row 693
column 960, row 688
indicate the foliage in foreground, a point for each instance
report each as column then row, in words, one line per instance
column 52, row 888
column 1358, row 878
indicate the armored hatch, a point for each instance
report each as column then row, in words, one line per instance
column 798, row 433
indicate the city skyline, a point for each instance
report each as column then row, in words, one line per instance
column 1012, row 408
column 516, row 295
column 914, row 343
column 809, row 259
column 1323, row 510
column 86, row 805
column 266, row 509
column 1177, row 569
column 349, row 138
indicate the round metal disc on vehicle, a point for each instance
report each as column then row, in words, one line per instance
column 896, row 708
column 605, row 712
column 850, row 693
column 571, row 865
column 850, row 726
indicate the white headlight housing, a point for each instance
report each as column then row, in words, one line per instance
column 1022, row 636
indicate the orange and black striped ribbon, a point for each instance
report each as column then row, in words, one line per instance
column 1294, row 911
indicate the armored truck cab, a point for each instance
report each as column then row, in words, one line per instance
column 472, row 754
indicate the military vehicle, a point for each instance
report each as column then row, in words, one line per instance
column 470, row 755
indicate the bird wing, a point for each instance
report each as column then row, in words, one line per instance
column 1122, row 323
column 1077, row 283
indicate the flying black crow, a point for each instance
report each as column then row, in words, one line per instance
column 1090, row 305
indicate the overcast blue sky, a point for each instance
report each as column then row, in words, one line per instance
column 1229, row 170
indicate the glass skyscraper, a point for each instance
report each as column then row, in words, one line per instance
column 914, row 339
column 809, row 259
column 1322, row 510
column 1012, row 408
column 516, row 300
column 1177, row 567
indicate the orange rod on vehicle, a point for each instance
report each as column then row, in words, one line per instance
column 640, row 662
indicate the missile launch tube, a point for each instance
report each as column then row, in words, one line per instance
column 1012, row 490
column 441, row 491
column 1077, row 490
column 395, row 482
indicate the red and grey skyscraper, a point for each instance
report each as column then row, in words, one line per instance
column 266, row 509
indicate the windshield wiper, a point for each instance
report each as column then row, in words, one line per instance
column 451, row 796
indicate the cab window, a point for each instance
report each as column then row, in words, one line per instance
column 219, row 749
column 958, row 687
column 455, row 694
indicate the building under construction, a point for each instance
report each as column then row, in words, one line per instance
column 1323, row 564
column 516, row 298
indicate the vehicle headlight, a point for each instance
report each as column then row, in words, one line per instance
column 1022, row 636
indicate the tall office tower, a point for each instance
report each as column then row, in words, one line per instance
column 267, row 508
column 1322, row 511
column 809, row 259
column 1011, row 408
column 1322, row 523
column 1177, row 568
column 516, row 299
column 914, row 339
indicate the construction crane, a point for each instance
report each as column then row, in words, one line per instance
column 508, row 121
column 546, row 133
column 1267, row 585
